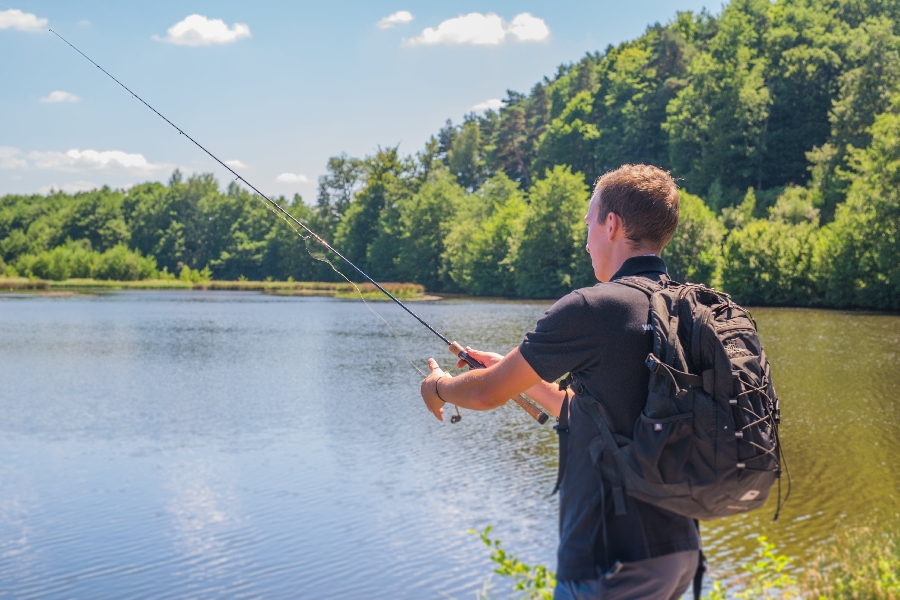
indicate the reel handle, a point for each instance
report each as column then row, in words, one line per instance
column 536, row 413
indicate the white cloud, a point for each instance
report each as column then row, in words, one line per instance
column 16, row 19
column 76, row 160
column 83, row 23
column 483, row 30
column 492, row 104
column 401, row 17
column 527, row 28
column 473, row 28
column 60, row 96
column 197, row 30
column 10, row 158
column 69, row 188
column 235, row 164
column 292, row 178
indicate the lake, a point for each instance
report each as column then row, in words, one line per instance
column 194, row 444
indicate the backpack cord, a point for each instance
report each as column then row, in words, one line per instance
column 787, row 472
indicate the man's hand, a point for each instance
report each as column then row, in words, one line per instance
column 485, row 358
column 429, row 391
column 484, row 389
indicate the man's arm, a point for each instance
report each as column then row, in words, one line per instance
column 484, row 389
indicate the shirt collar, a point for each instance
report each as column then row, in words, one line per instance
column 640, row 265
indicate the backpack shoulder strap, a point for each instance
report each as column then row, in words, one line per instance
column 648, row 286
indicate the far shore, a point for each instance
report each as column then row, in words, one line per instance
column 403, row 291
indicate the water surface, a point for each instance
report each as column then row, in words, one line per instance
column 188, row 444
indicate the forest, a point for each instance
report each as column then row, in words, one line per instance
column 780, row 121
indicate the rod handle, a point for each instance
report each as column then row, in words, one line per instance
column 536, row 413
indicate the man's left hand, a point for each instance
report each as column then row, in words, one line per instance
column 429, row 393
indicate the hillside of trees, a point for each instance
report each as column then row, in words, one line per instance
column 780, row 120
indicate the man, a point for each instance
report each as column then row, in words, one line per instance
column 600, row 336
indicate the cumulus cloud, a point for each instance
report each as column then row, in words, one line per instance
column 483, row 30
column 16, row 19
column 75, row 161
column 197, row 30
column 60, row 96
column 473, row 28
column 11, row 158
column 401, row 17
column 528, row 28
column 492, row 104
column 292, row 178
column 235, row 164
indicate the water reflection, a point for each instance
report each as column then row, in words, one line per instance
column 178, row 444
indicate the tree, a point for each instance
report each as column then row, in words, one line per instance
column 337, row 188
column 479, row 247
column 717, row 124
column 360, row 224
column 550, row 258
column 695, row 252
column 424, row 222
column 861, row 249
column 464, row 158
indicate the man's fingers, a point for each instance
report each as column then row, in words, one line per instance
column 435, row 368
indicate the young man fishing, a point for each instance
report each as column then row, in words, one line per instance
column 600, row 335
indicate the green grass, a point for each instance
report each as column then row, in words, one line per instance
column 407, row 291
column 858, row 563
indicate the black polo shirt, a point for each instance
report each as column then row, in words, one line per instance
column 598, row 333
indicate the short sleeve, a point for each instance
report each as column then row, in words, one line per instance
column 564, row 339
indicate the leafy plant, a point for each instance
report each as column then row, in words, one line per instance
column 764, row 578
column 536, row 582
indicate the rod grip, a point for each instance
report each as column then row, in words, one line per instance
column 536, row 413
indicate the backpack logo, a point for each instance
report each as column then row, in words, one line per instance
column 647, row 327
column 733, row 350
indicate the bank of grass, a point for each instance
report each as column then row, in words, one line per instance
column 404, row 291
column 858, row 563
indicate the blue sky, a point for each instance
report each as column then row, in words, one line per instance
column 278, row 87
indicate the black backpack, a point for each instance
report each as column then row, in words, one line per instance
column 706, row 444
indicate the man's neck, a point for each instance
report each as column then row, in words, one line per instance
column 626, row 253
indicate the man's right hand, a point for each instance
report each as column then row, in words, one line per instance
column 486, row 358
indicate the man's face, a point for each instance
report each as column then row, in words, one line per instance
column 598, row 243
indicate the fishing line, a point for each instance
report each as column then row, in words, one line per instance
column 271, row 202
column 322, row 258
column 455, row 348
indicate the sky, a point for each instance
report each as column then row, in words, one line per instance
column 273, row 88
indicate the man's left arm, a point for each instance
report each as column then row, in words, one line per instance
column 484, row 389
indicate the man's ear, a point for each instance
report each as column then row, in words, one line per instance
column 615, row 225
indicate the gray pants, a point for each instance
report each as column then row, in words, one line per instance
column 662, row 578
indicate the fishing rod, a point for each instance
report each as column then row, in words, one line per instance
column 455, row 348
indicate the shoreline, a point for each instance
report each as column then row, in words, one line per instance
column 406, row 292
column 403, row 291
